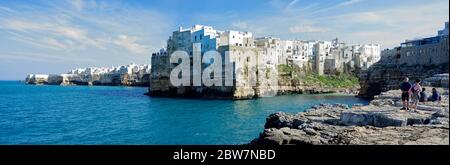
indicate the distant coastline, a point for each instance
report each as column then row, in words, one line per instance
column 127, row 75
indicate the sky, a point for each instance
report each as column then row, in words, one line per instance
column 54, row 36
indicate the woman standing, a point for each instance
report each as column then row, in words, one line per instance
column 416, row 89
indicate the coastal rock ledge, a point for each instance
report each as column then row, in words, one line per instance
column 379, row 123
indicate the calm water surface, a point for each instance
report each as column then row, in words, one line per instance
column 124, row 115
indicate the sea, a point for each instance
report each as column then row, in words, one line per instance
column 42, row 114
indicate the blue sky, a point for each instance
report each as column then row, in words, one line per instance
column 55, row 36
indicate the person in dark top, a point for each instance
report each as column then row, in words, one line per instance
column 423, row 96
column 435, row 96
column 405, row 87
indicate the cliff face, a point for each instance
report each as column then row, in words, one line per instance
column 160, row 85
column 384, row 76
column 289, row 85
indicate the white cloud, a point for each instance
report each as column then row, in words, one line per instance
column 391, row 26
column 61, row 31
column 240, row 25
column 291, row 4
column 23, row 25
column 386, row 25
column 77, row 4
column 337, row 6
column 6, row 9
column 349, row 2
column 130, row 43
column 55, row 43
column 306, row 29
column 31, row 41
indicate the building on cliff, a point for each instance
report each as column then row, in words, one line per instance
column 329, row 57
column 128, row 75
column 236, row 48
column 417, row 59
column 424, row 51
column 321, row 57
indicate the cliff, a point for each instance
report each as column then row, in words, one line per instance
column 129, row 75
column 380, row 123
column 160, row 84
column 311, row 83
column 422, row 60
column 382, row 77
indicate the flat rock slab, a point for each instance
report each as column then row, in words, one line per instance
column 382, row 118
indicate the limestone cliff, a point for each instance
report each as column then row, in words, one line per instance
column 382, row 77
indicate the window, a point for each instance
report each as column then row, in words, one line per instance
column 201, row 36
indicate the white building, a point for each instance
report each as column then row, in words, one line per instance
column 287, row 48
column 320, row 55
column 301, row 53
column 209, row 39
column 367, row 55
column 206, row 36
column 321, row 52
column 271, row 49
column 236, row 38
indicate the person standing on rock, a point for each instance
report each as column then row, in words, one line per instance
column 406, row 88
column 416, row 89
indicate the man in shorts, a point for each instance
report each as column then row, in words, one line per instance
column 405, row 87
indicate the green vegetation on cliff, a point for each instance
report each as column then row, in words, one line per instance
column 285, row 69
column 334, row 81
column 308, row 77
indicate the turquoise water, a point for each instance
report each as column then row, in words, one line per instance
column 124, row 115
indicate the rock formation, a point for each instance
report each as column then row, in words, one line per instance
column 381, row 122
column 383, row 76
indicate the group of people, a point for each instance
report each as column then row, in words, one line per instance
column 416, row 93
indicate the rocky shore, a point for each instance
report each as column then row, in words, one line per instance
column 380, row 122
